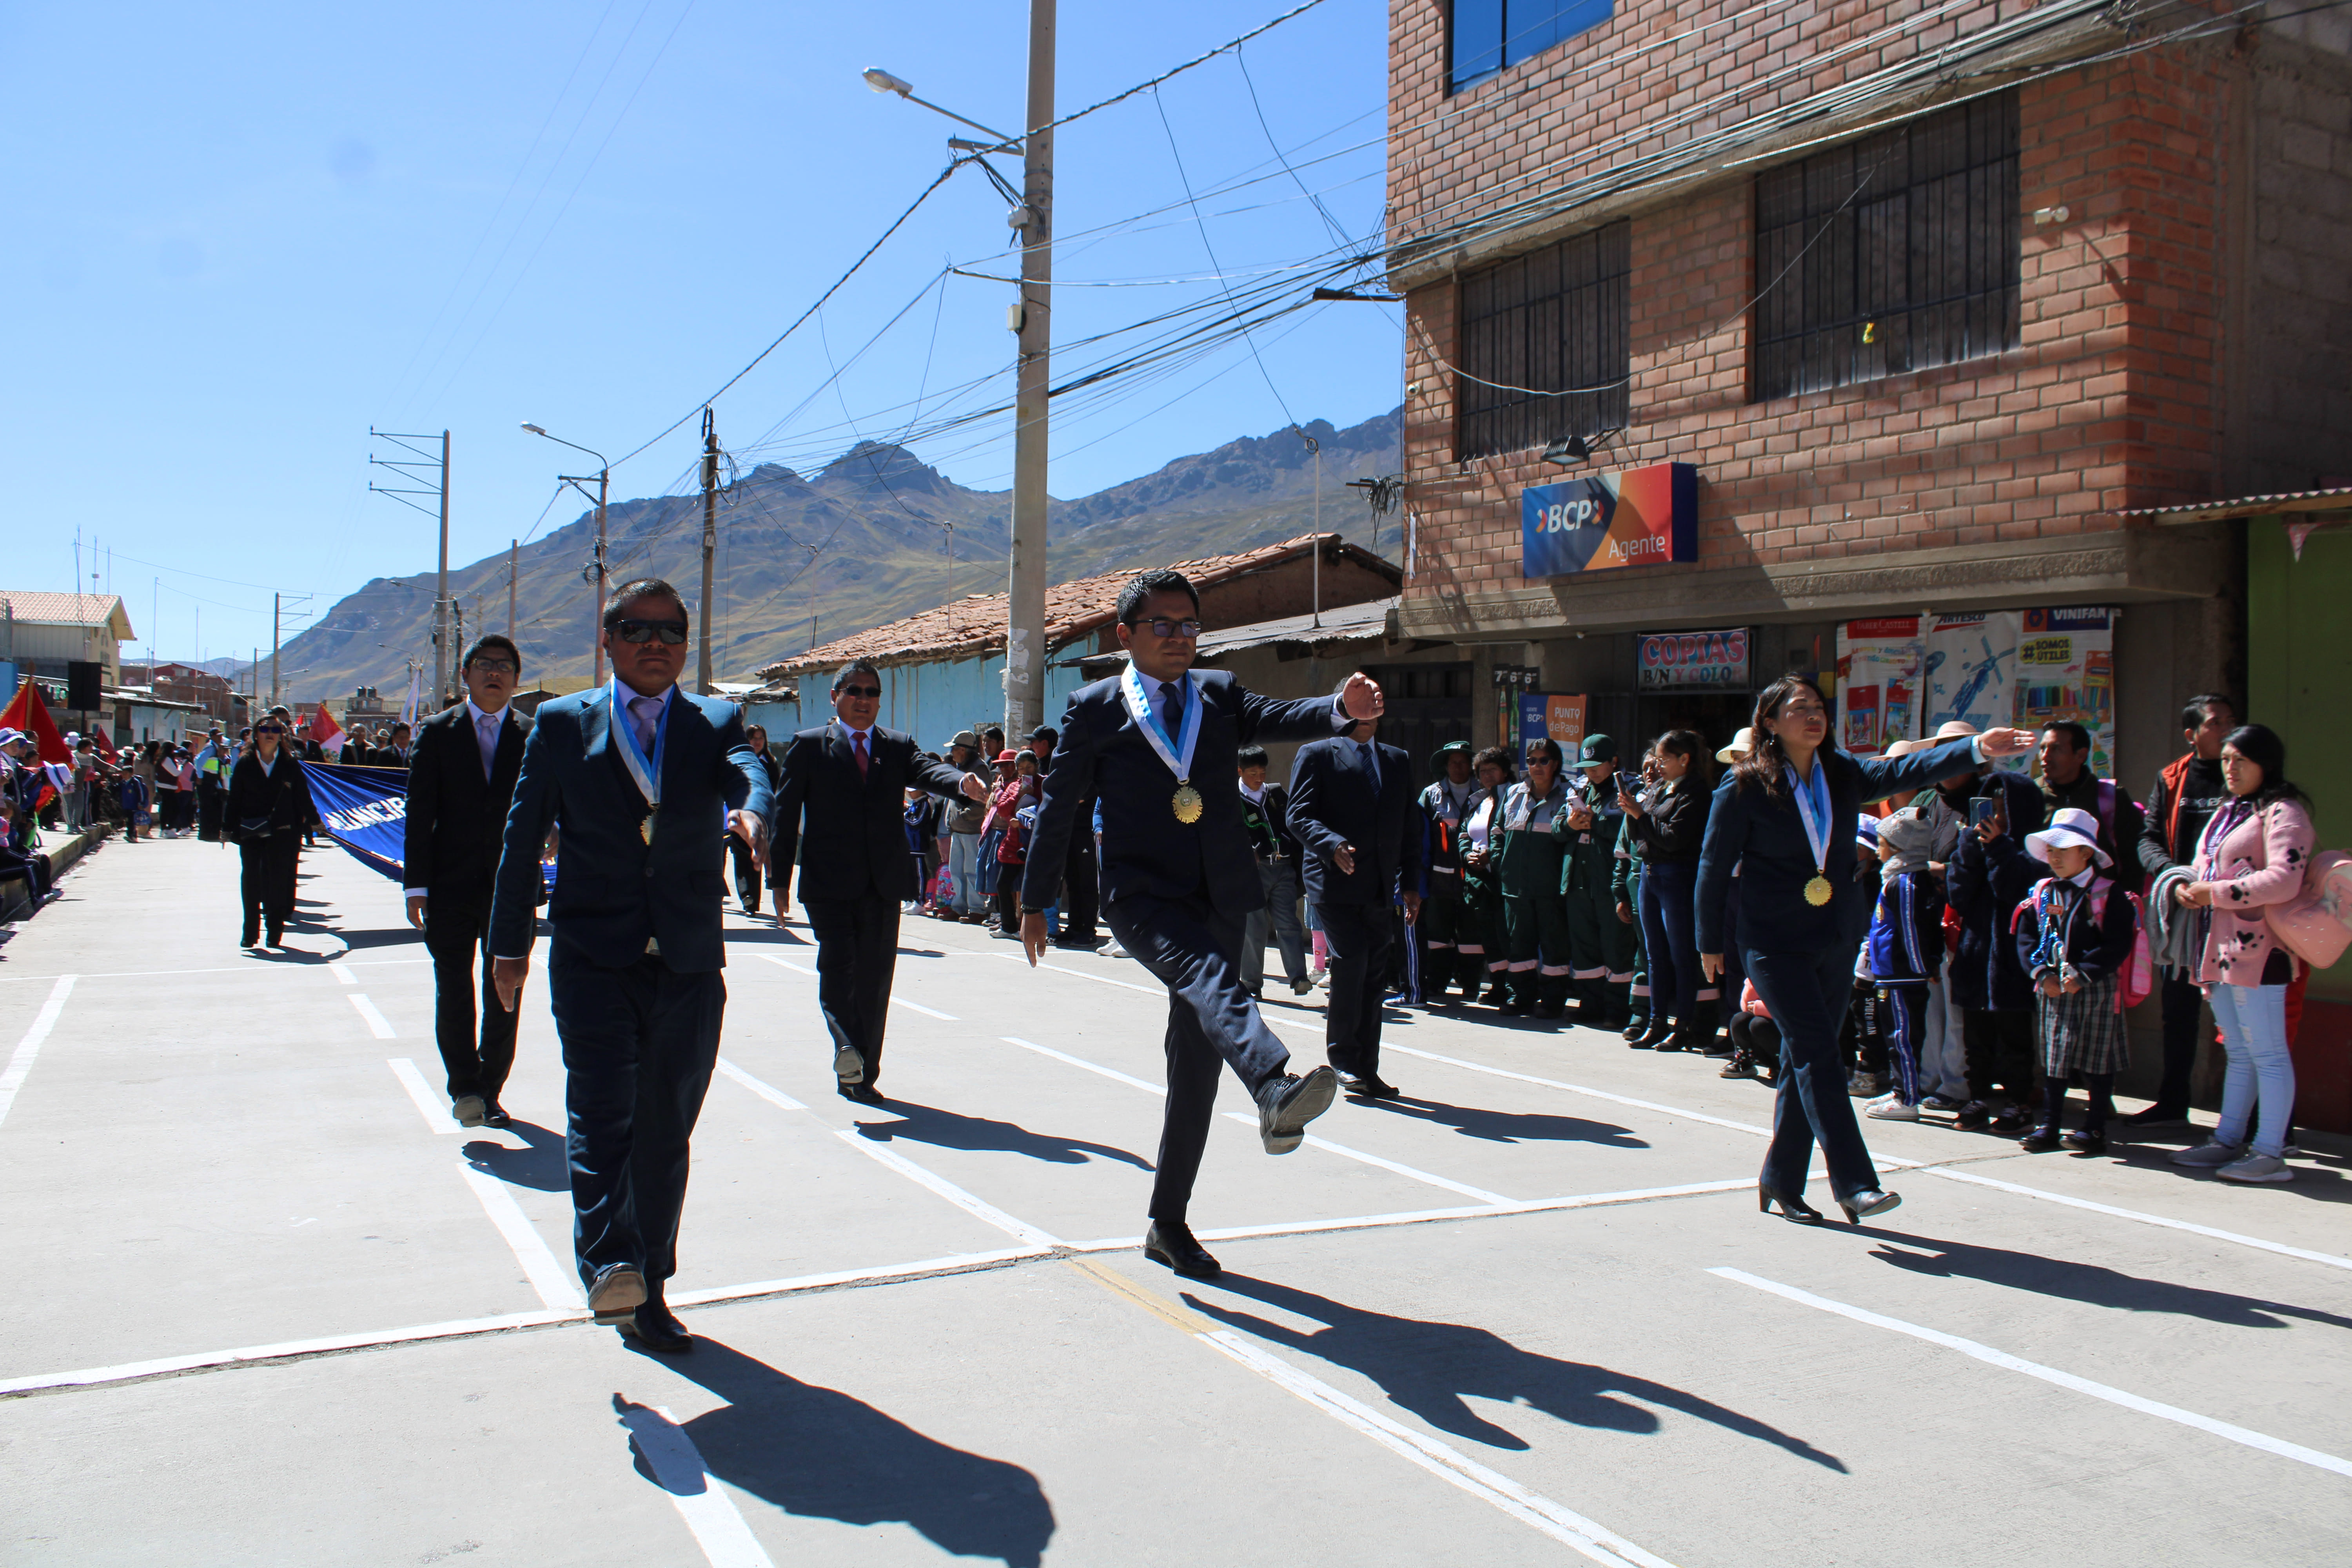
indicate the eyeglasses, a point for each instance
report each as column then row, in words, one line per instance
column 268, row 729
column 505, row 665
column 859, row 690
column 1171, row 628
column 671, row 633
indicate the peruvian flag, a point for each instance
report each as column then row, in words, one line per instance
column 28, row 712
column 324, row 729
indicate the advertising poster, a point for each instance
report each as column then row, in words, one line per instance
column 1878, row 683
column 1559, row 715
column 1971, row 671
column 1715, row 661
column 1634, row 517
column 2065, row 670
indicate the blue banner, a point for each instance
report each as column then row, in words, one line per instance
column 365, row 810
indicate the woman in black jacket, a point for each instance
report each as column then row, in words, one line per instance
column 1668, row 819
column 1785, row 818
column 268, row 802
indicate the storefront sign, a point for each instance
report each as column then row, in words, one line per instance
column 1634, row 517
column 1559, row 715
column 1718, row 661
column 1898, row 680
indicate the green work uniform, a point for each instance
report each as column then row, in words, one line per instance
column 1534, row 916
column 1625, row 884
column 1482, row 893
column 1601, row 946
column 1455, row 951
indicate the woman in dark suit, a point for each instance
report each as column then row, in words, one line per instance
column 1784, row 816
column 269, row 803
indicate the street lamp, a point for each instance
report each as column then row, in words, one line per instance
column 603, row 485
column 1024, row 638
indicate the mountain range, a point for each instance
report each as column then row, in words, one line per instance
column 803, row 559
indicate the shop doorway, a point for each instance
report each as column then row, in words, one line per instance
column 1717, row 716
column 1428, row 705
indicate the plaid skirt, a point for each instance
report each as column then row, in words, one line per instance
column 2083, row 1032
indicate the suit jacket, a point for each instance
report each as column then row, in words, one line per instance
column 614, row 891
column 1765, row 837
column 455, row 816
column 1103, row 754
column 282, row 794
column 1335, row 801
column 856, row 843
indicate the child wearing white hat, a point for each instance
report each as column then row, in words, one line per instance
column 2075, row 931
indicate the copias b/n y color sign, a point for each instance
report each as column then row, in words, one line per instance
column 1634, row 517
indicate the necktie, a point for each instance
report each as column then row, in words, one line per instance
column 862, row 760
column 487, row 728
column 1372, row 763
column 1171, row 714
column 646, row 711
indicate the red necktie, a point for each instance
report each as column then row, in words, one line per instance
column 860, row 739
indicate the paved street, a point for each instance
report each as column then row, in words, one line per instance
column 270, row 1305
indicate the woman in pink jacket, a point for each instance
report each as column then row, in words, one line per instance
column 2253, row 853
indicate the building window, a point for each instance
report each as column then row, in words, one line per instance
column 1536, row 327
column 1889, row 255
column 1487, row 35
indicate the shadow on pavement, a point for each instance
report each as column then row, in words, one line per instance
column 1434, row 1369
column 383, row 936
column 951, row 1130
column 543, row 1167
column 821, row 1454
column 1510, row 1126
column 768, row 935
column 2089, row 1283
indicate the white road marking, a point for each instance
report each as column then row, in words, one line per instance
column 343, row 973
column 2333, row 1260
column 248, row 970
column 557, row 1285
column 1018, row 1230
column 428, row 1104
column 20, row 1061
column 1419, row 1175
column 719, row 1528
column 954, row 1263
column 1147, row 1088
column 378, row 1024
column 788, row 963
column 925, row 1012
column 1986, row 1353
column 766, row 1092
column 1579, row 1089
column 1159, row 991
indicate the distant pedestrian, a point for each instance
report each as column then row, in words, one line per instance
column 268, row 801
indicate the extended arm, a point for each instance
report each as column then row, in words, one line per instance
column 1069, row 781
column 1725, row 842
column 1310, row 719
column 929, row 772
column 742, row 783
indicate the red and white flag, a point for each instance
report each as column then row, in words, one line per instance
column 324, row 729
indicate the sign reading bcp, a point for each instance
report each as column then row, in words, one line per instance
column 1636, row 517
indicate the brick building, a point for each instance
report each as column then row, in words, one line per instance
column 1925, row 295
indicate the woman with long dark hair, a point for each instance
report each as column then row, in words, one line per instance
column 1669, row 819
column 1784, row 817
column 2255, row 851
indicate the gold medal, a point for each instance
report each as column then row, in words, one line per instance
column 646, row 829
column 1188, row 804
column 1817, row 891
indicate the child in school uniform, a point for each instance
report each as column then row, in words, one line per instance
column 1907, row 952
column 1862, row 1039
column 2075, row 931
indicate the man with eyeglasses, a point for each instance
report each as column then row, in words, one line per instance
column 635, row 770
column 848, row 780
column 1155, row 745
column 461, row 779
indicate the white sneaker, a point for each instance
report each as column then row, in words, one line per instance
column 2257, row 1168
column 1891, row 1110
column 2211, row 1155
column 1114, row 951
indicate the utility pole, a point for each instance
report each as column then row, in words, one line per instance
column 514, row 552
column 441, row 597
column 275, row 602
column 1025, row 645
column 596, row 605
column 709, row 540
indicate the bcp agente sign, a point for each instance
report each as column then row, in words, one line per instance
column 1634, row 517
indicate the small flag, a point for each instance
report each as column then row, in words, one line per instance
column 327, row 732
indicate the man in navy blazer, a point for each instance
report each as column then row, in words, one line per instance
column 849, row 779
column 1155, row 745
column 1351, row 804
column 635, row 772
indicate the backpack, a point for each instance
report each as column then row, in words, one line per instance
column 2315, row 925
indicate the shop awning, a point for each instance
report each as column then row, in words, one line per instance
column 2338, row 499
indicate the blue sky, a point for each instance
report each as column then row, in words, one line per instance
column 241, row 235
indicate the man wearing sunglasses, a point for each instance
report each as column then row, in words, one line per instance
column 461, row 779
column 635, row 772
column 1156, row 745
column 848, row 781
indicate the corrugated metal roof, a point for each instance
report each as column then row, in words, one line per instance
column 973, row 626
column 37, row 608
column 1367, row 622
column 2336, row 498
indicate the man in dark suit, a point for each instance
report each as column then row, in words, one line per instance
column 1351, row 804
column 1155, row 745
column 746, row 870
column 850, row 779
column 635, row 770
column 394, row 753
column 460, row 782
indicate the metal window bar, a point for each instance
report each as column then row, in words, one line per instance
column 1559, row 316
column 1919, row 270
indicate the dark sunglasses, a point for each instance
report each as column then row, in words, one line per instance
column 1172, row 629
column 671, row 633
column 859, row 690
column 267, row 729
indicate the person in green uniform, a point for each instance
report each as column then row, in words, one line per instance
column 1625, row 883
column 1534, row 916
column 1600, row 945
column 1452, row 951
column 1482, row 884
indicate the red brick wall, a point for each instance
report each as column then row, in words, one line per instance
column 2110, row 399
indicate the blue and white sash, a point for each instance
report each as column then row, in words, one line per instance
column 1176, row 752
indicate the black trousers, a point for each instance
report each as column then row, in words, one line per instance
column 2184, row 1007
column 267, row 882
column 1194, row 950
column 1999, row 1050
column 747, row 872
column 476, row 1059
column 1081, row 888
column 857, row 953
column 638, row 1047
column 1807, row 994
column 1361, row 943
column 210, row 799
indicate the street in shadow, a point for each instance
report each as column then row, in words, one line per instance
column 952, row 1130
column 1434, row 1369
column 822, row 1454
column 1510, row 1126
column 2089, row 1283
column 543, row 1167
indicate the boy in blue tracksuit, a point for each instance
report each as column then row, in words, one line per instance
column 1907, row 952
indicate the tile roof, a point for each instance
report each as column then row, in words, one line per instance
column 65, row 609
column 973, row 626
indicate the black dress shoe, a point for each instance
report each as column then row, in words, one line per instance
column 863, row 1093
column 496, row 1115
column 1170, row 1245
column 1367, row 1086
column 1286, row 1104
column 656, row 1328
